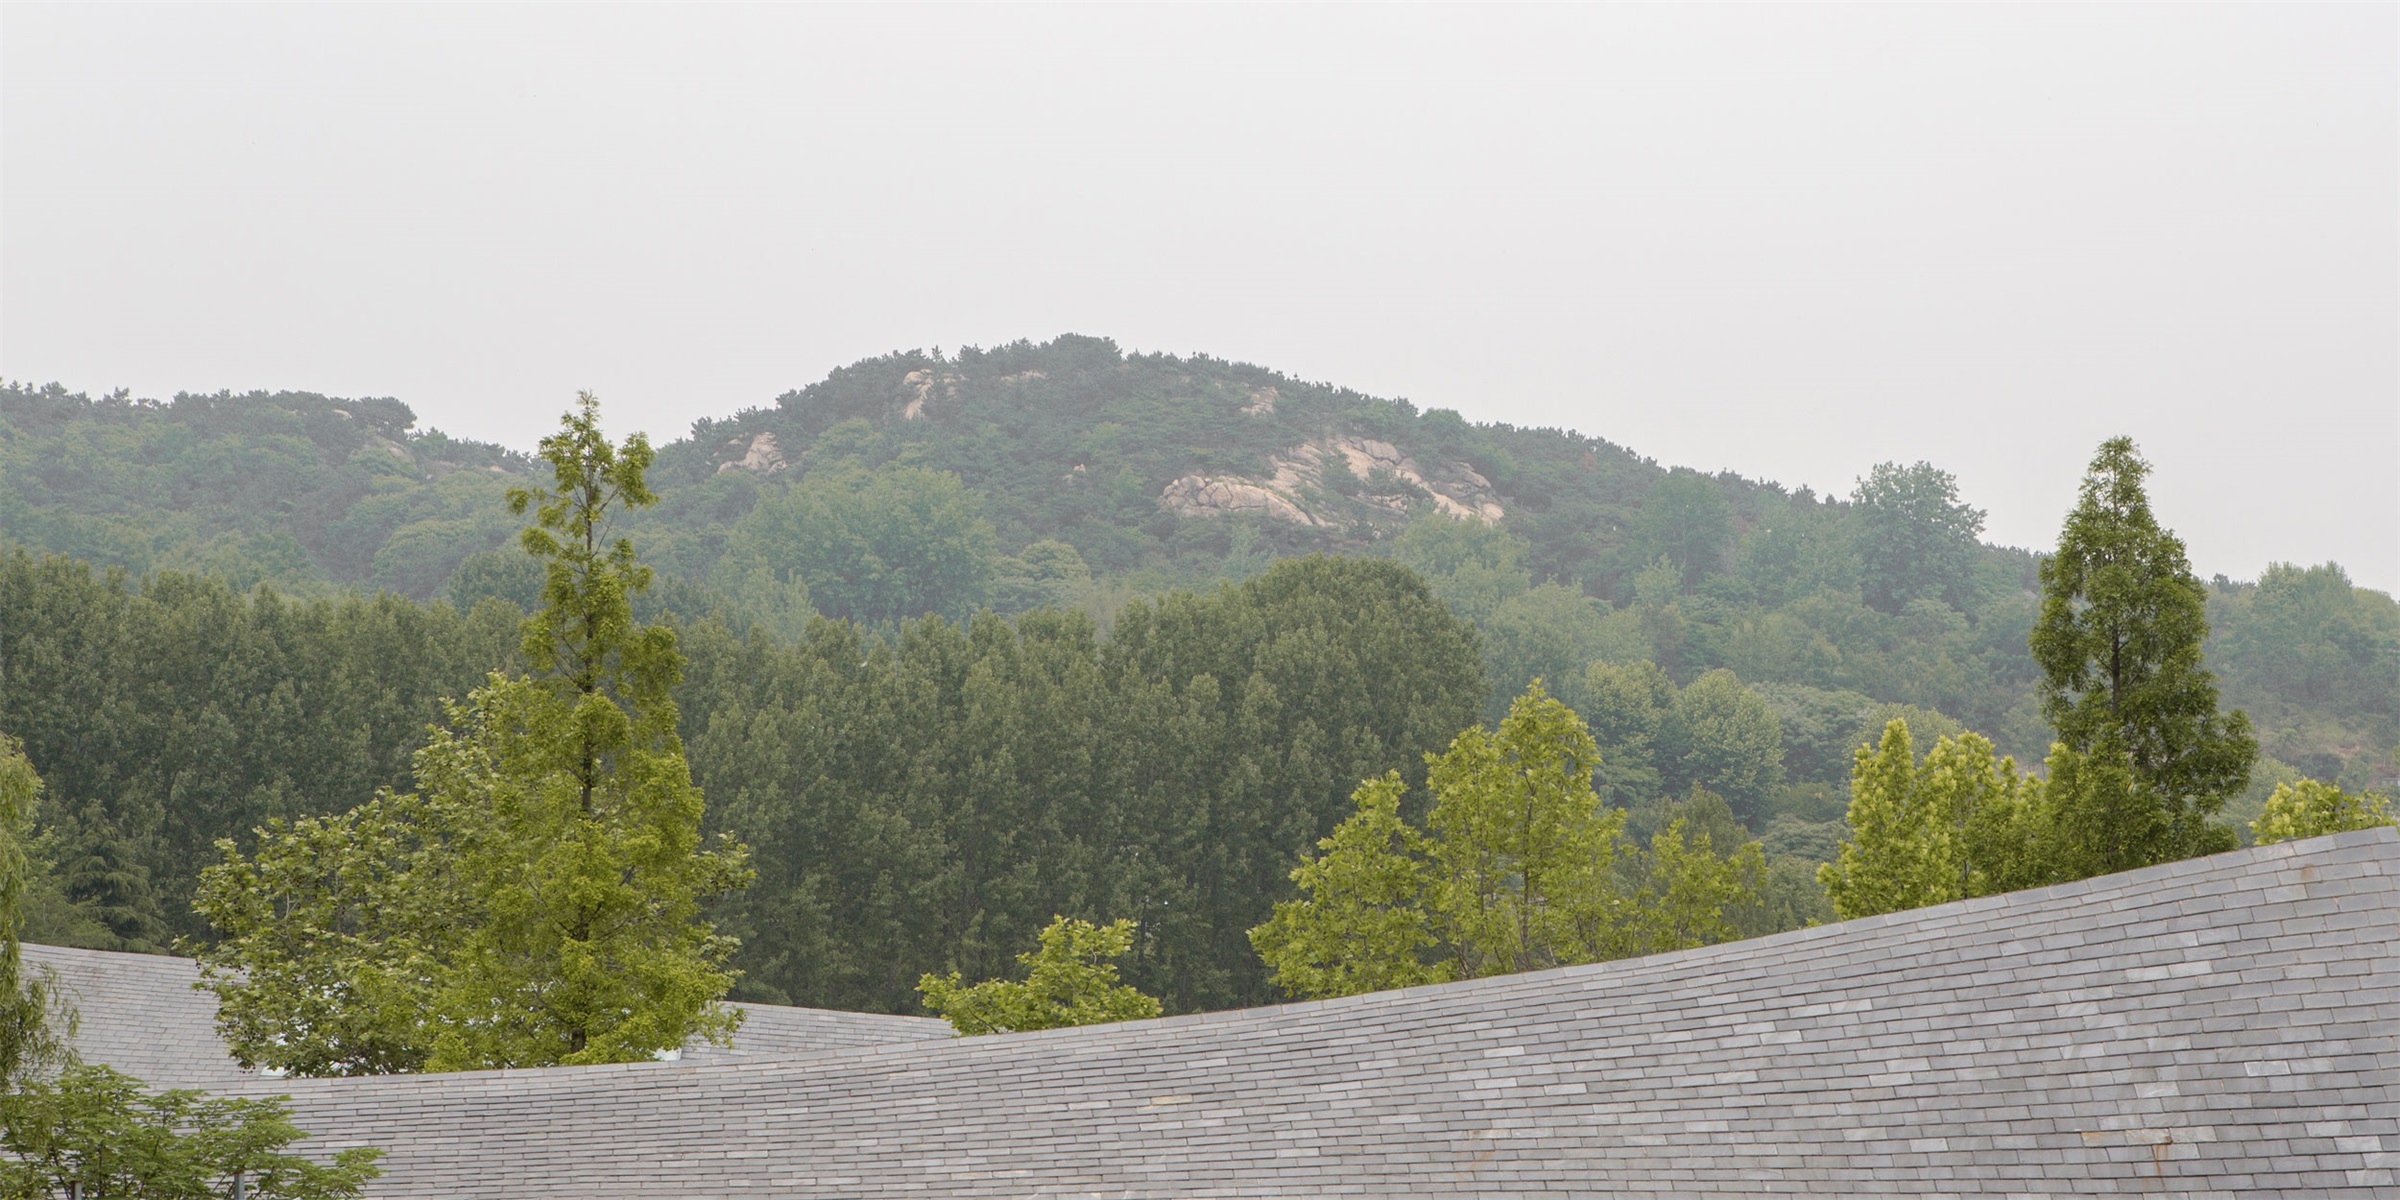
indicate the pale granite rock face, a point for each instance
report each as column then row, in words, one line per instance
column 763, row 457
column 1200, row 496
column 1457, row 490
column 922, row 384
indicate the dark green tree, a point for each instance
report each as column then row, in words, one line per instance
column 1470, row 565
column 1685, row 520
column 2119, row 644
column 106, row 881
column 1629, row 707
column 874, row 546
column 1916, row 539
column 1263, row 704
column 1723, row 737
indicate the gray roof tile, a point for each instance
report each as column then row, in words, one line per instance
column 2129, row 1034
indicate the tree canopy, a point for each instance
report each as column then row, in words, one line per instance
column 1074, row 443
column 538, row 899
column 1916, row 539
column 96, row 1132
column 2119, row 641
column 1069, row 980
column 31, row 1033
column 2313, row 808
column 1520, row 866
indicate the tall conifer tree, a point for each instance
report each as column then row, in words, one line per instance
column 587, row 858
column 2118, row 641
column 537, row 901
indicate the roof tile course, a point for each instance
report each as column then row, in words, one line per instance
column 2226, row 1026
column 141, row 1014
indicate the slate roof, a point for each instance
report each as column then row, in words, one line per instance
column 2212, row 1028
column 140, row 1014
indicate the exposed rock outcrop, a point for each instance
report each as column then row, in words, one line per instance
column 1459, row 490
column 763, row 457
column 919, row 385
column 1200, row 496
column 1456, row 488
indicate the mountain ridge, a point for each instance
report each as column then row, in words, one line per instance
column 1073, row 474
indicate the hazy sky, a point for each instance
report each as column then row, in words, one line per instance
column 1788, row 241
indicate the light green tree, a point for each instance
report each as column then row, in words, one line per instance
column 97, row 1132
column 2313, row 808
column 1962, row 776
column 33, row 1024
column 90, row 1130
column 2119, row 643
column 1680, row 893
column 1898, row 855
column 1521, row 868
column 537, row 901
column 1521, row 844
column 1361, row 922
column 1069, row 980
column 1912, row 825
column 340, row 933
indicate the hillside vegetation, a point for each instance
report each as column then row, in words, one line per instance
column 981, row 638
column 1068, row 474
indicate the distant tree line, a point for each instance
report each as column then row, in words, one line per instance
column 1023, row 476
column 919, row 802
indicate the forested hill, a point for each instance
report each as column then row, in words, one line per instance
column 225, row 609
column 1069, row 441
column 1070, row 474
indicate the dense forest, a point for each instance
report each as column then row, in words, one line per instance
column 981, row 638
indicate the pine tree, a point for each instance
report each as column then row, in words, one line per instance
column 589, row 866
column 537, row 900
column 105, row 881
column 2119, row 642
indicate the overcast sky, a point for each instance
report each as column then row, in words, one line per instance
column 1788, row 241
